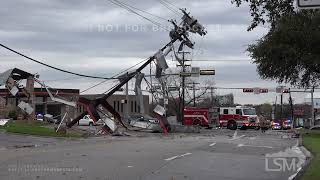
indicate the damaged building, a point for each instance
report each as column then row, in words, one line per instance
column 44, row 104
column 118, row 102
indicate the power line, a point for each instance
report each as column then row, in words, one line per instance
column 146, row 12
column 114, row 76
column 52, row 67
column 120, row 4
column 168, row 7
column 222, row 60
column 171, row 4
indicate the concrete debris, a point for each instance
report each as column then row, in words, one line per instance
column 161, row 60
column 25, row 107
column 111, row 124
column 4, row 121
column 160, row 110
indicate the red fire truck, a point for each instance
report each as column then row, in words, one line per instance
column 230, row 117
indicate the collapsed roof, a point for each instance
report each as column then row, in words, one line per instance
column 16, row 74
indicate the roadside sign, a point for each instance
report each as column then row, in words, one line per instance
column 207, row 72
column 309, row 4
column 298, row 111
column 316, row 103
column 185, row 74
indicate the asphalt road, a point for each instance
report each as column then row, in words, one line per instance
column 214, row 154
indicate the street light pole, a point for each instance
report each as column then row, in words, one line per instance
column 312, row 110
column 194, row 94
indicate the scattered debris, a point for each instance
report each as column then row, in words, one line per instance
column 26, row 107
column 4, row 121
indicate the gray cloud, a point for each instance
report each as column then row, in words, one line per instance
column 98, row 38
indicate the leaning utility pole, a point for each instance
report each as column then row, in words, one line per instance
column 180, row 33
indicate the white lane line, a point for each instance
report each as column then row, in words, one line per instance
column 235, row 134
column 172, row 158
column 179, row 156
column 243, row 145
column 212, row 144
column 235, row 138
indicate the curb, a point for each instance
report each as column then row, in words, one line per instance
column 309, row 157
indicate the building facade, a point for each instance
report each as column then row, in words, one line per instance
column 43, row 104
column 118, row 102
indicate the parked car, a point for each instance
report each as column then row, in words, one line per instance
column 315, row 128
column 39, row 117
column 86, row 121
column 145, row 122
column 52, row 119
column 276, row 125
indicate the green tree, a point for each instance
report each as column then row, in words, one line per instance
column 290, row 51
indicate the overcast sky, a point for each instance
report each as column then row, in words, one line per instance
column 98, row 38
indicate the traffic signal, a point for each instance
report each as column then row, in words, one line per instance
column 286, row 91
column 264, row 90
column 248, row 90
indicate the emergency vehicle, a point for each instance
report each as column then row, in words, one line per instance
column 230, row 117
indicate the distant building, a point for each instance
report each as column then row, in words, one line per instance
column 118, row 103
column 44, row 104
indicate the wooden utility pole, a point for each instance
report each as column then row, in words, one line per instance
column 183, row 84
column 31, row 101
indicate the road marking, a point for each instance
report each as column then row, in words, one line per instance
column 179, row 156
column 212, row 144
column 243, row 145
column 130, row 166
column 235, row 138
column 172, row 158
column 235, row 134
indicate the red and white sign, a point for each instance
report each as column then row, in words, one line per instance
column 298, row 111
